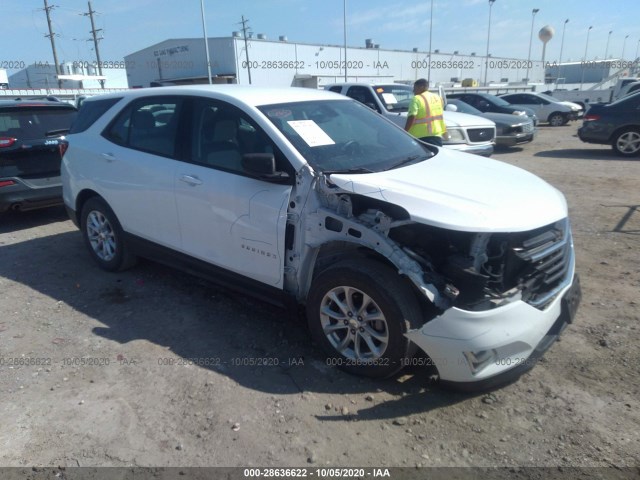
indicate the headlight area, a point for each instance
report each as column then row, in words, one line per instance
column 454, row 136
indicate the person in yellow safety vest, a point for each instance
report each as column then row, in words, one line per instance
column 425, row 116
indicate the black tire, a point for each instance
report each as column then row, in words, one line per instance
column 626, row 142
column 557, row 119
column 104, row 236
column 389, row 296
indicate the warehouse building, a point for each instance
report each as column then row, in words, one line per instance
column 260, row 61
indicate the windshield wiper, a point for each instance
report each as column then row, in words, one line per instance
column 349, row 170
column 406, row 161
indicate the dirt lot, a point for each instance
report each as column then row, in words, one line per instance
column 113, row 383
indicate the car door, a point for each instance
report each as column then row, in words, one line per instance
column 227, row 217
column 134, row 169
column 526, row 100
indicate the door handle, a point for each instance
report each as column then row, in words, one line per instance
column 191, row 180
column 109, row 157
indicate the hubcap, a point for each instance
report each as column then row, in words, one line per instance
column 629, row 142
column 101, row 236
column 354, row 324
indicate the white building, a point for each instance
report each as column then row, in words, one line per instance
column 282, row 63
column 75, row 75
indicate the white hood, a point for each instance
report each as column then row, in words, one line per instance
column 463, row 192
column 451, row 119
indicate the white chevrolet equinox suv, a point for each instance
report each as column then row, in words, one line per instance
column 305, row 197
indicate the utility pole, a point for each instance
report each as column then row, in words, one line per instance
column 246, row 47
column 95, row 41
column 47, row 8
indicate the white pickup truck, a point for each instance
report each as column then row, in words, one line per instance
column 583, row 98
column 467, row 133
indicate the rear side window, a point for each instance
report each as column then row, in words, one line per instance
column 90, row 112
column 33, row 123
column 148, row 124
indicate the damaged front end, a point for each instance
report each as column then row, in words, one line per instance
column 492, row 298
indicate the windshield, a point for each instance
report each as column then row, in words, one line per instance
column 548, row 97
column 464, row 107
column 344, row 136
column 395, row 98
column 500, row 102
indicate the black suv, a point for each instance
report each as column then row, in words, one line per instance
column 30, row 155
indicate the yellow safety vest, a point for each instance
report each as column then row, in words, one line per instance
column 429, row 121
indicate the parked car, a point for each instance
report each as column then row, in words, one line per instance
column 547, row 109
column 616, row 124
column 465, row 133
column 510, row 129
column 30, row 136
column 305, row 197
column 487, row 103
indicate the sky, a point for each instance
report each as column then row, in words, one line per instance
column 462, row 25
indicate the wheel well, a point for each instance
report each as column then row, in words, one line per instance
column 332, row 253
column 619, row 130
column 81, row 199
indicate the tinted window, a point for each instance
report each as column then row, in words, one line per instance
column 335, row 88
column 32, row 123
column 222, row 133
column 336, row 135
column 362, row 95
column 90, row 112
column 148, row 124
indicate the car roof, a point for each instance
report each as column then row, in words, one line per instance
column 250, row 95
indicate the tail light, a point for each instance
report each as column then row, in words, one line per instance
column 591, row 117
column 6, row 183
column 6, row 141
column 62, row 147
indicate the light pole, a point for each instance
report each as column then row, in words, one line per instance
column 486, row 67
column 206, row 42
column 344, row 21
column 430, row 32
column 623, row 45
column 533, row 16
column 584, row 60
column 637, row 47
column 561, row 46
column 606, row 50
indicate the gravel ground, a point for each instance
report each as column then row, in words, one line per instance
column 152, row 367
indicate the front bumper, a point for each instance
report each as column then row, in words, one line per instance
column 30, row 194
column 518, row 334
column 515, row 139
column 485, row 150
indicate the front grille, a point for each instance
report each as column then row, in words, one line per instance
column 545, row 262
column 481, row 134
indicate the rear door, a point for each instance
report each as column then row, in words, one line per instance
column 29, row 141
column 227, row 217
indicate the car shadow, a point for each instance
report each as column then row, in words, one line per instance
column 498, row 149
column 196, row 321
column 14, row 221
column 604, row 153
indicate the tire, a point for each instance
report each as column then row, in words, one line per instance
column 557, row 119
column 626, row 143
column 104, row 236
column 373, row 348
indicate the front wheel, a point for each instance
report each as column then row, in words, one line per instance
column 359, row 312
column 557, row 119
column 104, row 236
column 626, row 143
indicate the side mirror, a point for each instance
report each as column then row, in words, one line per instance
column 451, row 107
column 262, row 165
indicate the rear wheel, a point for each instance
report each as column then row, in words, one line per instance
column 627, row 143
column 359, row 312
column 557, row 119
column 104, row 236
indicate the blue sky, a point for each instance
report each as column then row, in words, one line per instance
column 130, row 25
